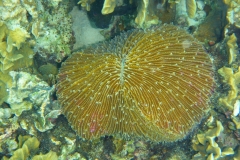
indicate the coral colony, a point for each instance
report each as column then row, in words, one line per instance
column 153, row 84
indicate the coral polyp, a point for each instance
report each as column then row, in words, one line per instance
column 153, row 84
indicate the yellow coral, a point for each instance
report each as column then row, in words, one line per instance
column 27, row 145
column 16, row 38
column 142, row 12
column 232, row 48
column 233, row 12
column 207, row 146
column 49, row 156
column 233, row 79
column 3, row 92
column 154, row 84
column 5, row 82
column 236, row 121
column 12, row 54
column 145, row 17
column 191, row 8
column 86, row 4
column 108, row 6
column 16, row 58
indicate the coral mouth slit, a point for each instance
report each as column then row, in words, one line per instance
column 122, row 70
column 152, row 84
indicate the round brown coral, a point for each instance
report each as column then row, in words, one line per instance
column 153, row 84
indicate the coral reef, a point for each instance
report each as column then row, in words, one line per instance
column 86, row 4
column 232, row 48
column 152, row 12
column 28, row 146
column 230, row 102
column 233, row 79
column 191, row 8
column 15, row 52
column 35, row 35
column 24, row 31
column 116, row 90
column 55, row 37
column 30, row 107
column 146, row 17
column 206, row 145
column 233, row 12
column 25, row 91
column 109, row 5
column 5, row 82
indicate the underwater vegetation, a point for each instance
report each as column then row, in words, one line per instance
column 153, row 84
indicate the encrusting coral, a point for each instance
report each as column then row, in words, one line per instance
column 153, row 84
